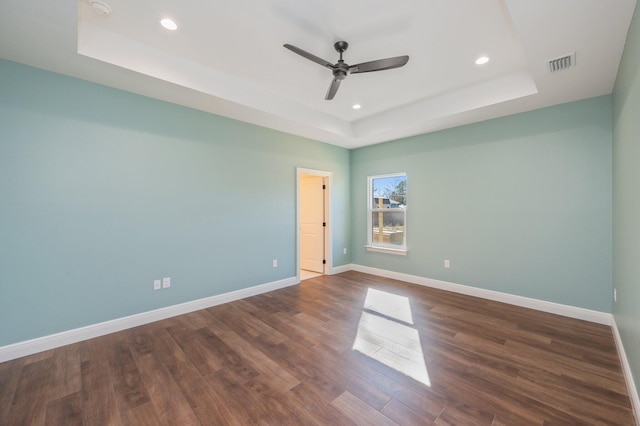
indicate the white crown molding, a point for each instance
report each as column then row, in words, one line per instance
column 526, row 302
column 626, row 369
column 52, row 341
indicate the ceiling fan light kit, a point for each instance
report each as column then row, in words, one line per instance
column 341, row 69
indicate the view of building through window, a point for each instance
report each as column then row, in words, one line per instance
column 387, row 210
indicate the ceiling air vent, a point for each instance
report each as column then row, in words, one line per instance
column 562, row 63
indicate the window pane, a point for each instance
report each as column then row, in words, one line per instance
column 389, row 192
column 392, row 229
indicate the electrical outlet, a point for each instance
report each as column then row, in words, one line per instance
column 275, row 263
column 344, row 250
column 166, row 282
column 157, row 284
column 447, row 263
column 615, row 295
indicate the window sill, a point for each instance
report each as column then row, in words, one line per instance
column 399, row 252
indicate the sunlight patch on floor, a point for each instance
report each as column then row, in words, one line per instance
column 389, row 304
column 385, row 335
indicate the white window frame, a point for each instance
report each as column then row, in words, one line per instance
column 378, row 246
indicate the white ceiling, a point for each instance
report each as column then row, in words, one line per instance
column 227, row 57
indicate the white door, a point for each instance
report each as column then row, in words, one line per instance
column 311, row 223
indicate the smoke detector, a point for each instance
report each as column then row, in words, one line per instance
column 100, row 8
column 562, row 63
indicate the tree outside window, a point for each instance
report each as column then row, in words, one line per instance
column 387, row 212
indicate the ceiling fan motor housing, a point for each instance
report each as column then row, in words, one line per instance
column 341, row 70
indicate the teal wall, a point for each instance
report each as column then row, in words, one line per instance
column 103, row 191
column 520, row 204
column 626, row 197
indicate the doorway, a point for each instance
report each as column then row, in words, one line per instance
column 313, row 217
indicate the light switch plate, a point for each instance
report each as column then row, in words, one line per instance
column 166, row 282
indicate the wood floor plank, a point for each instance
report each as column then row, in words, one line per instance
column 30, row 399
column 320, row 411
column 344, row 378
column 141, row 415
column 99, row 404
column 270, row 371
column 169, row 403
column 10, row 373
column 461, row 414
column 66, row 379
column 322, row 353
column 495, row 394
column 559, row 364
column 276, row 406
column 305, row 371
column 404, row 414
column 239, row 318
column 322, row 368
column 129, row 389
column 229, row 359
column 359, row 412
column 233, row 403
column 66, row 410
column 206, row 361
column 207, row 404
column 422, row 400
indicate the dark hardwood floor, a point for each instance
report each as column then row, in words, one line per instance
column 335, row 350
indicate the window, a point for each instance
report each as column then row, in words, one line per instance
column 387, row 213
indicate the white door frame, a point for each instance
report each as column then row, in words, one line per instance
column 328, row 240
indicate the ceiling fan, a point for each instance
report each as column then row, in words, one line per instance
column 341, row 70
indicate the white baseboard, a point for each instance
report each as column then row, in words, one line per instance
column 341, row 269
column 526, row 302
column 52, row 341
column 626, row 369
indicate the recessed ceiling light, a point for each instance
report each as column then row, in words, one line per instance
column 482, row 60
column 169, row 24
column 356, row 106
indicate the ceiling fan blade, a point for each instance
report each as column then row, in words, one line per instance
column 379, row 65
column 335, row 84
column 309, row 56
